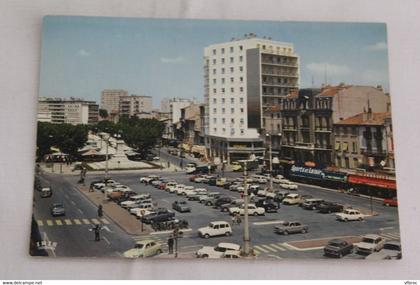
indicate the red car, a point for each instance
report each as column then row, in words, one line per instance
column 391, row 202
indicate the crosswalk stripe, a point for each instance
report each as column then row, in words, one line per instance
column 77, row 221
column 257, row 252
column 49, row 222
column 59, row 222
column 277, row 246
column 86, row 221
column 40, row 223
column 67, row 221
column 391, row 236
column 260, row 249
column 105, row 221
column 95, row 221
column 269, row 248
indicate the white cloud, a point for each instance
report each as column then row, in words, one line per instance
column 175, row 60
column 377, row 46
column 83, row 52
column 319, row 68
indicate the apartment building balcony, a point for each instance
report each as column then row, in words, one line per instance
column 323, row 129
column 323, row 147
column 305, row 128
column 374, row 152
column 289, row 129
column 305, row 145
column 270, row 52
column 280, row 74
column 279, row 85
column 284, row 64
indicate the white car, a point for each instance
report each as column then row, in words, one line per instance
column 170, row 184
column 279, row 179
column 259, row 179
column 141, row 207
column 140, row 214
column 182, row 191
column 292, row 199
column 350, row 215
column 133, row 200
column 217, row 228
column 370, row 243
column 178, row 187
column 288, row 185
column 231, row 254
column 149, row 178
column 144, row 248
column 217, row 251
column 252, row 210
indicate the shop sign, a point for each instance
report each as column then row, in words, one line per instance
column 307, row 172
column 334, row 176
column 373, row 181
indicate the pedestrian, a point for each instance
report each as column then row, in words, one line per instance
column 100, row 211
column 169, row 164
column 97, row 230
column 171, row 245
column 278, row 203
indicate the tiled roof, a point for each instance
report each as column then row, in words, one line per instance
column 375, row 119
column 330, row 91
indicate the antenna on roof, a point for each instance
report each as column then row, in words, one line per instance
column 313, row 82
column 325, row 75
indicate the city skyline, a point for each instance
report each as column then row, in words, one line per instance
column 97, row 53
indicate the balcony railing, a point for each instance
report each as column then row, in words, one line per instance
column 287, row 64
column 323, row 129
column 279, row 85
column 282, row 74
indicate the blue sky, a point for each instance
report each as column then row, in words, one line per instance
column 161, row 58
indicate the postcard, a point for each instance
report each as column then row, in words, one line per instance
column 177, row 138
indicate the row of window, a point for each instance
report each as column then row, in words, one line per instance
column 231, row 49
column 232, row 90
column 232, row 100
column 344, row 146
column 231, row 69
column 232, row 110
column 232, row 131
column 232, row 121
column 231, row 60
column 232, row 80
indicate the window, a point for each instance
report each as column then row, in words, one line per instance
column 223, row 81
column 223, row 120
column 214, row 100
column 232, row 100
column 223, row 90
column 223, row 110
column 241, row 100
column 215, row 129
column 242, row 131
column 231, row 49
column 232, row 89
column 232, row 80
column 232, row 110
column 231, row 60
column 214, row 71
column 214, row 61
column 215, row 120
column 242, row 110
column 241, row 121
column 263, row 47
column 241, row 89
column 224, row 130
column 241, row 48
column 241, row 68
column 223, row 100
column 232, row 121
column 214, row 110
column 231, row 70
column 223, row 60
column 214, row 52
column 241, row 58
column 354, row 148
column 223, row 50
column 241, row 79
column 214, row 90
column 223, row 71
column 214, row 81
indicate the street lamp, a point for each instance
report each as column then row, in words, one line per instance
column 247, row 239
column 271, row 162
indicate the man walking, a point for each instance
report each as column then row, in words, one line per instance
column 97, row 230
column 171, row 245
column 100, row 211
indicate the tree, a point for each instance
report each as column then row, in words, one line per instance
column 103, row 113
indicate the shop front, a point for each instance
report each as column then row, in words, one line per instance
column 373, row 185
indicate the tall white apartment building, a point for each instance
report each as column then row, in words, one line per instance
column 241, row 77
column 110, row 99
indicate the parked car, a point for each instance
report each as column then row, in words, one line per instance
column 391, row 202
column 161, row 215
column 216, row 228
column 46, row 192
column 233, row 203
column 57, row 209
column 370, row 243
column 141, row 208
column 208, row 196
column 312, row 203
column 292, row 199
column 217, row 251
column 288, row 185
column 181, row 206
column 286, row 228
column 268, row 205
column 330, row 207
column 212, row 200
column 232, row 254
column 338, row 248
column 259, row 179
column 350, row 215
column 253, row 210
column 254, row 188
column 149, row 179
column 136, row 199
column 144, row 248
column 391, row 250
column 279, row 179
column 279, row 196
column 221, row 181
column 222, row 201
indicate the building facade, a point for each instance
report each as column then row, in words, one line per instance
column 135, row 105
column 175, row 106
column 241, row 78
column 110, row 100
column 361, row 141
column 70, row 111
column 308, row 117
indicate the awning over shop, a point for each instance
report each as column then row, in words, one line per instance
column 373, row 181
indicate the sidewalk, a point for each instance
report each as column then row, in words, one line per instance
column 121, row 217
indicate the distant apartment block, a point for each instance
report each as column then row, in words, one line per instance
column 175, row 106
column 135, row 105
column 70, row 111
column 110, row 100
column 241, row 79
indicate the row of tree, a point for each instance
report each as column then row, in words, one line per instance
column 140, row 134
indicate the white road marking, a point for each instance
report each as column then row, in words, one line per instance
column 107, row 229
column 260, row 249
column 67, row 221
column 107, row 241
column 80, row 210
column 268, row 247
column 74, row 204
column 386, row 228
column 95, row 221
column 168, row 232
column 47, row 240
column 40, row 223
column 266, row 223
column 59, row 222
column 77, row 221
column 391, row 236
column 192, row 246
column 275, row 256
column 105, row 221
column 277, row 246
column 86, row 221
column 49, row 222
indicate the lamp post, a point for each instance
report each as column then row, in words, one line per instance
column 247, row 240
column 271, row 162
